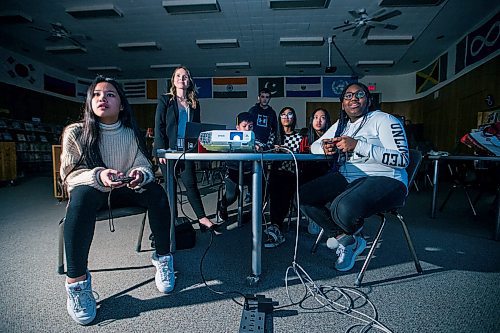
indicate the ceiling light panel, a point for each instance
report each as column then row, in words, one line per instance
column 302, row 64
column 302, row 41
column 105, row 68
column 139, row 46
column 13, row 17
column 96, row 11
column 375, row 63
column 191, row 6
column 68, row 49
column 409, row 3
column 298, row 4
column 217, row 43
column 388, row 40
column 233, row 65
column 165, row 66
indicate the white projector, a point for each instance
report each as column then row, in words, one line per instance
column 228, row 140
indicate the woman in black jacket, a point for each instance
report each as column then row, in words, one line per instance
column 175, row 108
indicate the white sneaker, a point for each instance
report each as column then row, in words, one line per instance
column 274, row 237
column 347, row 254
column 164, row 277
column 81, row 303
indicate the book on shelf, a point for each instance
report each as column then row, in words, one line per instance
column 20, row 137
column 29, row 126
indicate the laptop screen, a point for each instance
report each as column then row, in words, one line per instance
column 193, row 131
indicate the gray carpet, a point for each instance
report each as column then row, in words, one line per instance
column 458, row 291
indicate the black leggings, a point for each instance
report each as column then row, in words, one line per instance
column 282, row 187
column 332, row 202
column 188, row 176
column 85, row 201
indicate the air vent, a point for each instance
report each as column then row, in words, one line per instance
column 388, row 40
column 408, row 3
column 105, row 10
column 303, row 64
column 67, row 49
column 13, row 17
column 233, row 65
column 165, row 66
column 105, row 68
column 191, row 6
column 375, row 63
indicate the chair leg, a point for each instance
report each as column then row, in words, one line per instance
column 361, row 274
column 141, row 233
column 60, row 257
column 470, row 202
column 410, row 243
column 450, row 191
column 318, row 239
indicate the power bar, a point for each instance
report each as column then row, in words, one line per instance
column 253, row 317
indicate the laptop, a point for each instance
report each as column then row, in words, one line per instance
column 192, row 133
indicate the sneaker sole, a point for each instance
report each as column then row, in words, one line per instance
column 356, row 253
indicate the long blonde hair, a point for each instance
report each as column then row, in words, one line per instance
column 192, row 97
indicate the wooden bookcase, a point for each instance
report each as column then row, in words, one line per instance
column 8, row 161
column 59, row 188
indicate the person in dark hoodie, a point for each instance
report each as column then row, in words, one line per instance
column 265, row 122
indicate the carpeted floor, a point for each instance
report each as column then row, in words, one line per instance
column 458, row 291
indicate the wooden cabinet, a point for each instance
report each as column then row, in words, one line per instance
column 8, row 161
column 59, row 188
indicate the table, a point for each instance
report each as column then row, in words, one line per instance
column 257, row 160
column 437, row 158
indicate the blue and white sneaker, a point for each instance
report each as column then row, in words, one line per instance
column 81, row 304
column 274, row 237
column 347, row 254
column 164, row 277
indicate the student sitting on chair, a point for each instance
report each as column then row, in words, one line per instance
column 371, row 152
column 244, row 122
column 105, row 145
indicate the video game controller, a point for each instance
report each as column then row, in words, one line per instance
column 122, row 179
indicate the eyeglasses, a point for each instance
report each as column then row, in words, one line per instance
column 359, row 94
column 286, row 115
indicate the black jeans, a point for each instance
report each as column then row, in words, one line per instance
column 282, row 186
column 85, row 201
column 188, row 177
column 332, row 202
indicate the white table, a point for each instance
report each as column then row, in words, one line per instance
column 257, row 160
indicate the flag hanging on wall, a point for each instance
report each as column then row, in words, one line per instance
column 303, row 86
column 229, row 87
column 274, row 84
column 59, row 86
column 203, row 87
column 334, row 85
column 432, row 74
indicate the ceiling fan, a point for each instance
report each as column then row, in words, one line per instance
column 59, row 32
column 363, row 20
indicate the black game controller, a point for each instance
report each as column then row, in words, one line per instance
column 122, row 179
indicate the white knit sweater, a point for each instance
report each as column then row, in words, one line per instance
column 119, row 151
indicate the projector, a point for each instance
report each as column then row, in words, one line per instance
column 228, row 141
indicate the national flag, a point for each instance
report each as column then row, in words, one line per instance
column 334, row 85
column 229, row 87
column 303, row 86
column 59, row 86
column 460, row 51
column 151, row 89
column 432, row 74
column 81, row 88
column 203, row 87
column 274, row 84
column 135, row 89
column 483, row 41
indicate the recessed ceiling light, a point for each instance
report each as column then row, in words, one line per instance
column 233, row 65
column 370, row 63
column 165, row 66
column 302, row 41
column 408, row 3
column 298, row 4
column 94, row 11
column 303, row 64
column 190, row 6
column 139, row 46
column 389, row 40
column 105, row 68
column 217, row 43
column 14, row 16
column 65, row 49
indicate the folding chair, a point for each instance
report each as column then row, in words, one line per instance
column 101, row 216
column 411, row 169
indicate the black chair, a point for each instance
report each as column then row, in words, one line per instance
column 411, row 169
column 101, row 216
